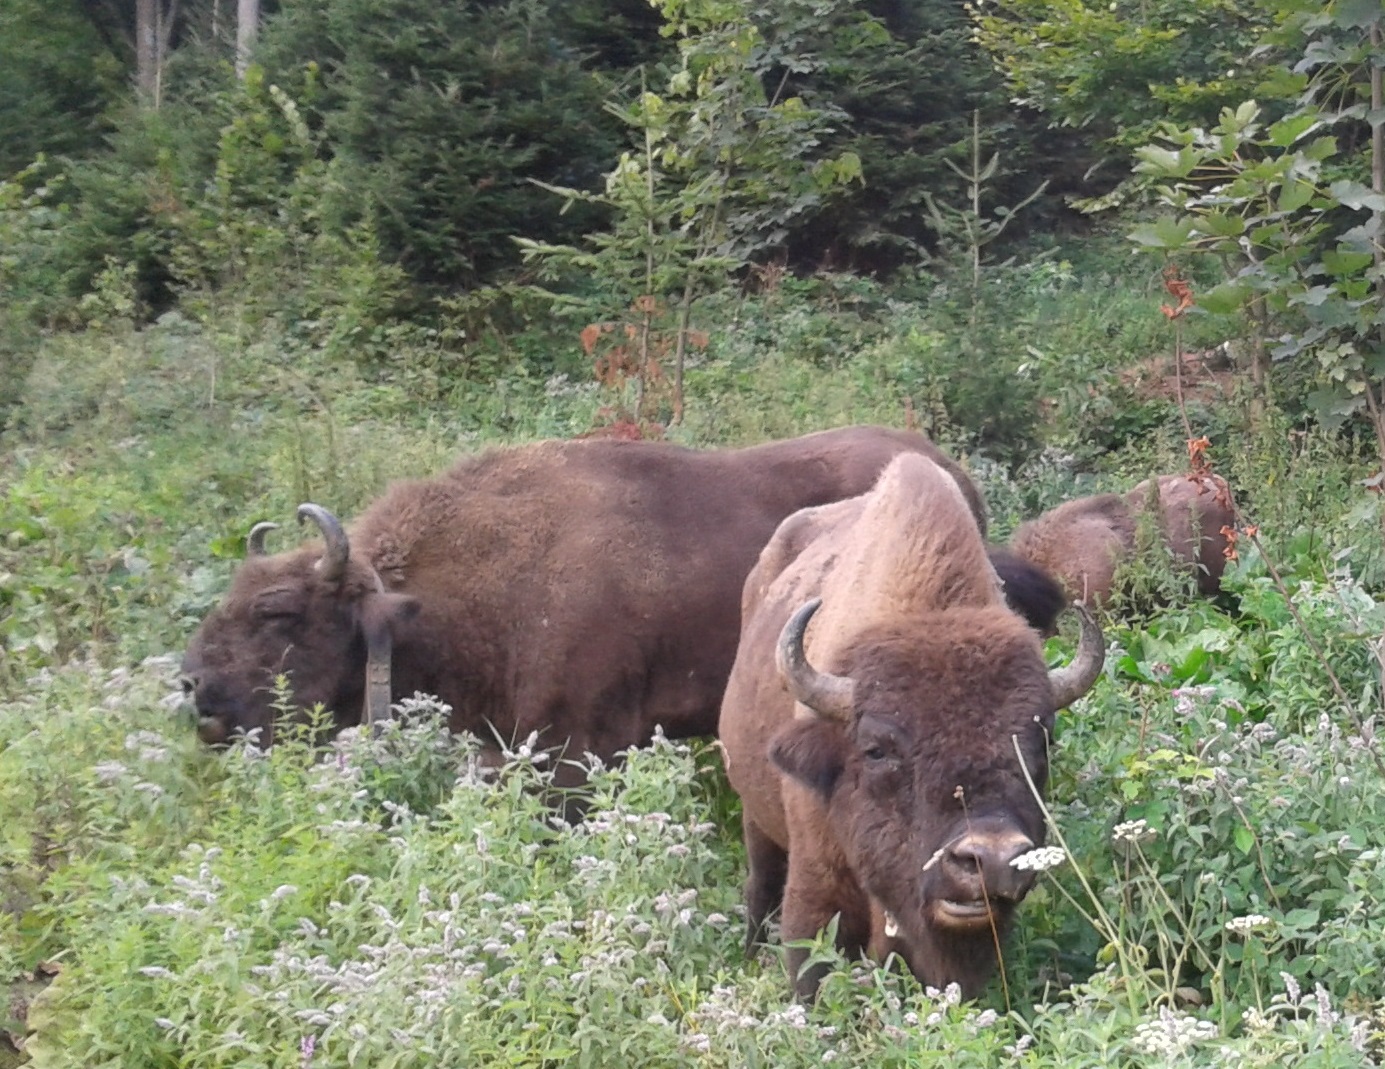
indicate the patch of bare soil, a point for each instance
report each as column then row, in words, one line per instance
column 18, row 997
column 1208, row 376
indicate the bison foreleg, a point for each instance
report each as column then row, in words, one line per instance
column 764, row 887
column 812, row 897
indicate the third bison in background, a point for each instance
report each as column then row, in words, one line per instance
column 1084, row 543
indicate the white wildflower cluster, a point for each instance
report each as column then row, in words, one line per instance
column 527, row 752
column 1040, row 859
column 656, row 832
column 1172, row 1035
column 1188, row 699
column 151, row 747
column 109, row 771
column 1250, row 923
column 1133, row 832
column 723, row 1012
column 197, row 893
column 1309, row 1015
column 662, row 743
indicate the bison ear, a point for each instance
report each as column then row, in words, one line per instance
column 811, row 752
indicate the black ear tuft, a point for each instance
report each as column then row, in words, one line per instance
column 811, row 751
column 1029, row 590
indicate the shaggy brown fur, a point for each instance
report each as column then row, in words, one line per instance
column 585, row 590
column 1083, row 543
column 915, row 803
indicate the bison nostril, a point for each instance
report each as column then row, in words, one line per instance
column 988, row 858
column 188, row 683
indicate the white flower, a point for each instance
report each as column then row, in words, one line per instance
column 1173, row 1034
column 158, row 972
column 1020, row 1046
column 1251, row 922
column 1132, row 831
column 1040, row 859
column 107, row 771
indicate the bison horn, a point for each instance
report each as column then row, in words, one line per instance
column 1076, row 678
column 827, row 695
column 332, row 566
column 254, row 541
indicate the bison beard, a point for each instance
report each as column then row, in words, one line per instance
column 885, row 786
column 585, row 590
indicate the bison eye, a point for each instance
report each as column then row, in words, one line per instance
column 876, row 753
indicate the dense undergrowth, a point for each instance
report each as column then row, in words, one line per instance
column 390, row 903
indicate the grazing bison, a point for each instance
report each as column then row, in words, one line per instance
column 587, row 590
column 1084, row 542
column 879, row 761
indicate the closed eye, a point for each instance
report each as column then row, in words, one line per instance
column 278, row 605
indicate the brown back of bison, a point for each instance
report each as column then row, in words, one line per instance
column 1083, row 543
column 586, row 590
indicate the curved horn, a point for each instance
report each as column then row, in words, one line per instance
column 254, row 541
column 827, row 695
column 333, row 563
column 1076, row 678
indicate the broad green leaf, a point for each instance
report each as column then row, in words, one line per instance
column 1222, row 224
column 1286, row 131
column 1224, row 299
column 1244, row 838
column 1295, row 195
column 1356, row 196
column 1165, row 163
column 1341, row 262
column 1356, row 14
column 1167, row 233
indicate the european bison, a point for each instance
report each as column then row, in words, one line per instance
column 879, row 764
column 587, row 590
column 1084, row 542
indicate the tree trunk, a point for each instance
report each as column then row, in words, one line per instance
column 247, row 27
column 147, row 50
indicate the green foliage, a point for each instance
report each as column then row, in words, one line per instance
column 907, row 81
column 27, row 221
column 709, row 191
column 1284, row 206
column 394, row 901
column 58, row 79
column 439, row 118
column 1122, row 68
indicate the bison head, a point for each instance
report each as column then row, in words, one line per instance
column 916, row 749
column 317, row 617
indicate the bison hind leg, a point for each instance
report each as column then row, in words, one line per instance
column 764, row 887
